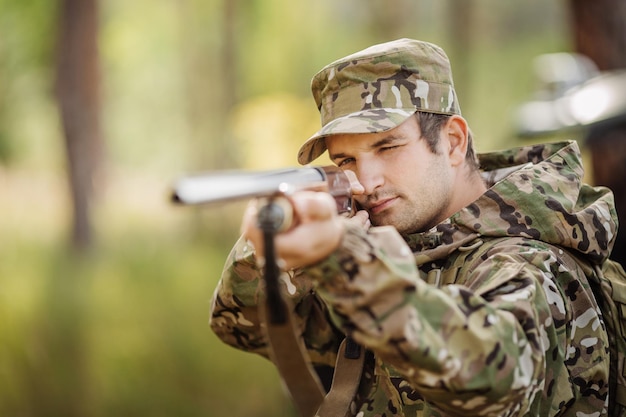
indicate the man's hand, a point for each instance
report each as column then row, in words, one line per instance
column 316, row 231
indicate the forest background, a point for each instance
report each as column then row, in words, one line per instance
column 114, row 322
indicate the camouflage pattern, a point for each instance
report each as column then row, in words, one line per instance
column 479, row 316
column 378, row 88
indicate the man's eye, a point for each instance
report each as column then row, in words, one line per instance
column 345, row 162
column 388, row 148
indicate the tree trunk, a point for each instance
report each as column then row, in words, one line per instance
column 461, row 29
column 608, row 153
column 77, row 88
column 599, row 32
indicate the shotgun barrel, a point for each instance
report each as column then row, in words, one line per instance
column 225, row 186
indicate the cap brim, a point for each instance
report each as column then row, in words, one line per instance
column 365, row 121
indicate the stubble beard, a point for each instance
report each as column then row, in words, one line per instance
column 409, row 216
column 422, row 209
column 404, row 216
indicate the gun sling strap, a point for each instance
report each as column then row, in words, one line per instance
column 289, row 355
column 287, row 348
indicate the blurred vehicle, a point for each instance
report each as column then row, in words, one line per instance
column 572, row 94
column 574, row 97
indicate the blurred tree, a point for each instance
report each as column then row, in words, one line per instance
column 78, row 94
column 461, row 32
column 599, row 32
column 210, row 69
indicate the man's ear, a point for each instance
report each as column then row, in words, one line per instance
column 456, row 132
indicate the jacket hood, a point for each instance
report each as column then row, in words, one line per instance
column 534, row 192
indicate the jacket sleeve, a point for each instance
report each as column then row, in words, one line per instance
column 235, row 304
column 469, row 349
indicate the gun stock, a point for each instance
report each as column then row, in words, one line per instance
column 225, row 186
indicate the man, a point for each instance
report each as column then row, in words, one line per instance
column 456, row 280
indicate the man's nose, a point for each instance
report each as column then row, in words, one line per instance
column 370, row 176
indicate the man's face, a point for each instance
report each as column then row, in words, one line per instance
column 406, row 184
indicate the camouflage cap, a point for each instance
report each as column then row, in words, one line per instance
column 378, row 88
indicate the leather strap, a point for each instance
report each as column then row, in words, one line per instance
column 346, row 379
column 289, row 354
column 287, row 348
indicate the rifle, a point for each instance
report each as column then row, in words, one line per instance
column 224, row 186
column 286, row 347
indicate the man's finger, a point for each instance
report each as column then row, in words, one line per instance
column 355, row 185
column 312, row 206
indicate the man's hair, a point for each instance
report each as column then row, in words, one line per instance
column 430, row 125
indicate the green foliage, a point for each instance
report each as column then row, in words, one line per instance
column 26, row 61
column 123, row 331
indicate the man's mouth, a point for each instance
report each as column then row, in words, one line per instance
column 380, row 205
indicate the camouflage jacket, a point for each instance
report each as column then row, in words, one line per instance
column 476, row 317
